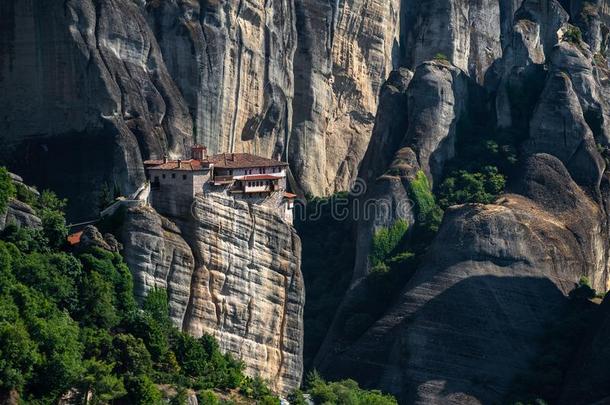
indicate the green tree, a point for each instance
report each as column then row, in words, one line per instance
column 96, row 302
column 466, row 187
column 156, row 304
column 7, row 189
column 56, row 275
column 141, row 390
column 101, row 382
column 130, row 355
column 61, row 365
column 18, row 355
column 54, row 227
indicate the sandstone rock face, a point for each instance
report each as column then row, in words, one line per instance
column 85, row 94
column 445, row 27
column 437, row 100
column 233, row 62
column 346, row 51
column 158, row 256
column 232, row 271
column 247, row 288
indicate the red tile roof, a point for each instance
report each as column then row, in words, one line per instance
column 290, row 195
column 74, row 239
column 221, row 161
column 242, row 160
column 185, row 165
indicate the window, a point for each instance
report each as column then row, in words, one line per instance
column 163, row 175
column 184, row 177
column 263, row 170
column 230, row 172
column 156, row 179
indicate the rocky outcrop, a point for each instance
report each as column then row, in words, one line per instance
column 443, row 27
column 558, row 126
column 247, row 288
column 470, row 319
column 86, row 95
column 20, row 214
column 233, row 62
column 91, row 237
column 17, row 212
column 501, row 270
column 345, row 53
column 232, row 271
column 158, row 257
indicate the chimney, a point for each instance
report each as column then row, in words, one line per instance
column 198, row 152
column 179, row 164
column 164, row 158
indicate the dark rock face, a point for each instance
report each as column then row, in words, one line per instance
column 589, row 381
column 86, row 95
column 558, row 126
column 469, row 321
column 470, row 318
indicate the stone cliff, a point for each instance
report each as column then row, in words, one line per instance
column 232, row 271
column 383, row 90
column 129, row 81
column 470, row 319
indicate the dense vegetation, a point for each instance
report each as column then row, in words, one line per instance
column 70, row 327
column 346, row 392
column 480, row 170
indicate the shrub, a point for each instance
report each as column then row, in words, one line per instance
column 208, row 397
column 386, row 240
column 583, row 290
column 429, row 215
column 297, row 398
column 464, row 187
column 344, row 392
column 441, row 57
column 7, row 189
column 572, row 35
column 142, row 391
column 26, row 195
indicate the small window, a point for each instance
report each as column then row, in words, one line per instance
column 173, row 175
column 163, row 175
column 156, row 179
column 230, row 172
column 184, row 177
